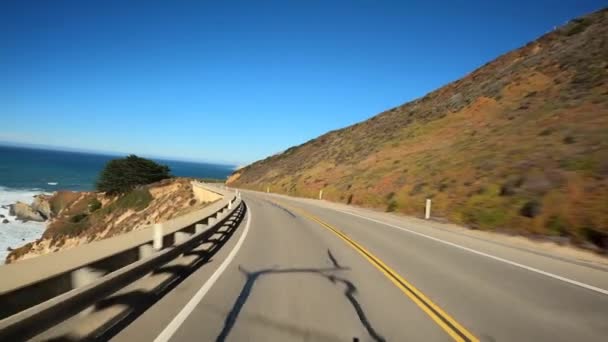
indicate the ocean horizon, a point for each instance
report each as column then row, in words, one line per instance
column 26, row 172
column 29, row 168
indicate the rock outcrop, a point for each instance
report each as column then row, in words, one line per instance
column 42, row 206
column 25, row 212
column 39, row 210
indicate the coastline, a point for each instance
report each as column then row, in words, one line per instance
column 17, row 233
column 26, row 172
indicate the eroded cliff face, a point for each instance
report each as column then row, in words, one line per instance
column 80, row 217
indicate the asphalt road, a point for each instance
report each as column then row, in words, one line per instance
column 303, row 270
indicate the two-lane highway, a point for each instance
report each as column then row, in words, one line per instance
column 301, row 271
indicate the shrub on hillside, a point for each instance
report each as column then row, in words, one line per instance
column 392, row 206
column 94, row 205
column 138, row 199
column 123, row 174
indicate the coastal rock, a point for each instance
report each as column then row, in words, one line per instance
column 5, row 221
column 2, row 216
column 42, row 206
column 25, row 213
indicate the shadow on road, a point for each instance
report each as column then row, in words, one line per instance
column 328, row 273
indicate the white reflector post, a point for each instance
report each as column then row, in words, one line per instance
column 157, row 238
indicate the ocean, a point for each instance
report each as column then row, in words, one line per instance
column 26, row 172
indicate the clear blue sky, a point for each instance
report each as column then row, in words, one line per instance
column 235, row 81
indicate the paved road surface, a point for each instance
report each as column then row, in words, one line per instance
column 299, row 270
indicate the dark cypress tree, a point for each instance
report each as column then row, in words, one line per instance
column 123, row 174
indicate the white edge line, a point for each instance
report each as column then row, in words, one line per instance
column 513, row 263
column 170, row 329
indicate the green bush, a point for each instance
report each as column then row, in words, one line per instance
column 123, row 174
column 94, row 205
column 78, row 218
column 486, row 218
column 557, row 226
column 531, row 208
column 487, row 209
column 577, row 25
column 392, row 206
column 73, row 228
column 137, row 200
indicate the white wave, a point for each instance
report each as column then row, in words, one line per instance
column 16, row 233
column 52, row 183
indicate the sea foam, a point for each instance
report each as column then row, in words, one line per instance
column 17, row 233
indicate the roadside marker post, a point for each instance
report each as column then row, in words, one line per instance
column 157, row 237
column 427, row 212
column 321, row 194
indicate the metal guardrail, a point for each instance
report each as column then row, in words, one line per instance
column 46, row 289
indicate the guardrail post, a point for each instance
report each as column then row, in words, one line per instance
column 230, row 205
column 84, row 275
column 427, row 211
column 157, row 237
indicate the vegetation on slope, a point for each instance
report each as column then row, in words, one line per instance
column 519, row 145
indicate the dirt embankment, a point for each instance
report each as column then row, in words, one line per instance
column 80, row 217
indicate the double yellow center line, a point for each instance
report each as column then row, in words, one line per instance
column 445, row 321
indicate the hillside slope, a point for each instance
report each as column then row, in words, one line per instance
column 520, row 144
